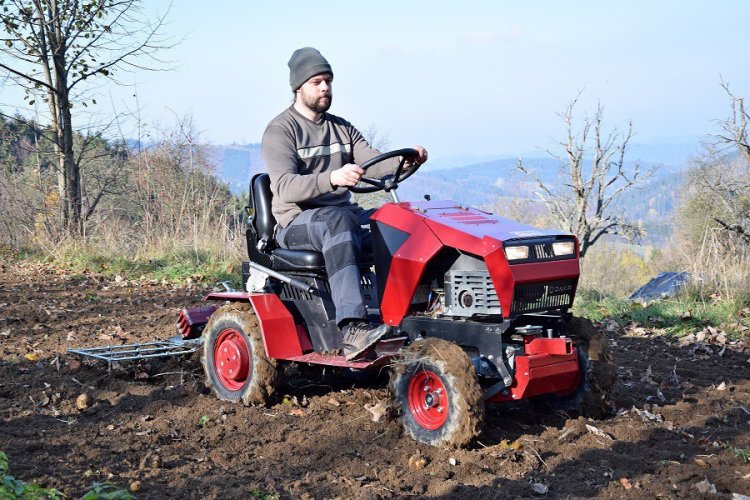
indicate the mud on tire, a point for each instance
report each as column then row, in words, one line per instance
column 593, row 397
column 435, row 391
column 234, row 358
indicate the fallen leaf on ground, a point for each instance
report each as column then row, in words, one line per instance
column 417, row 462
column 540, row 489
column 32, row 356
column 598, row 432
column 647, row 377
column 702, row 462
column 515, row 445
column 333, row 402
column 625, row 482
column 566, row 432
column 647, row 415
column 705, row 487
column 377, row 410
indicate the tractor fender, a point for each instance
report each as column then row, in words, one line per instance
column 281, row 337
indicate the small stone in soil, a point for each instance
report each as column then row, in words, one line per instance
column 82, row 402
column 540, row 489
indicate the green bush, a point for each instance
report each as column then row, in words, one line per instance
column 105, row 491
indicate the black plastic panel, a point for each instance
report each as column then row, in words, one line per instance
column 530, row 297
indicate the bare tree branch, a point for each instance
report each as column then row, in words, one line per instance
column 596, row 175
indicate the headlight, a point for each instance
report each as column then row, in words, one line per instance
column 564, row 248
column 516, row 253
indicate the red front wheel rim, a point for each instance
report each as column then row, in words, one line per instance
column 232, row 360
column 428, row 400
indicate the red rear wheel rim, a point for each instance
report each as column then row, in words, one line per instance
column 232, row 360
column 428, row 400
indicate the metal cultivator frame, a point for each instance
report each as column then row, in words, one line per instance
column 112, row 354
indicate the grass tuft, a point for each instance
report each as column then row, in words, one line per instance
column 686, row 313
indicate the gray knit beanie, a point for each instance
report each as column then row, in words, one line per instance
column 304, row 64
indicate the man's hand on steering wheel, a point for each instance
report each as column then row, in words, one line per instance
column 411, row 162
column 350, row 174
column 346, row 176
column 413, row 157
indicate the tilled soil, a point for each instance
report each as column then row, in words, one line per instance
column 682, row 428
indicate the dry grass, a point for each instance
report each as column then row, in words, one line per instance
column 163, row 214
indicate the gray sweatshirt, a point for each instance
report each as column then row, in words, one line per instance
column 300, row 155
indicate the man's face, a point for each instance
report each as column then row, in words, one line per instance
column 317, row 93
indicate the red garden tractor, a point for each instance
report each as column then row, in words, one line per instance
column 478, row 305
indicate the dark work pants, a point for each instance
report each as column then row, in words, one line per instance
column 336, row 232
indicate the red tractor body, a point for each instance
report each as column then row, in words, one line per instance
column 490, row 292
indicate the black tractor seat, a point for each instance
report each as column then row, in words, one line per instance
column 294, row 260
column 261, row 244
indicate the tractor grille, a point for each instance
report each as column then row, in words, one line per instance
column 470, row 292
column 529, row 297
column 543, row 251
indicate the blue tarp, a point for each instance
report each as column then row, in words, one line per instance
column 663, row 286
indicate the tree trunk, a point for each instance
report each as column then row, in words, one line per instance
column 72, row 200
column 72, row 174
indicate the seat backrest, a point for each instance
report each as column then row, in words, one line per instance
column 262, row 218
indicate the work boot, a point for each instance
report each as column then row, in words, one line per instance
column 360, row 336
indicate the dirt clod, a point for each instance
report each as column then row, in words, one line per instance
column 150, row 461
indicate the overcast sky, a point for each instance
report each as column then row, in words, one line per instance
column 456, row 77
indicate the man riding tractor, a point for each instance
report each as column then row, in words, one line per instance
column 313, row 157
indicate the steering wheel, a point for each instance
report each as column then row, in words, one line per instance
column 390, row 181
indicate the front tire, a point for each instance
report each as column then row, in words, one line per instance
column 593, row 396
column 234, row 357
column 435, row 389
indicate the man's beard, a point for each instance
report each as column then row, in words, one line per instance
column 319, row 105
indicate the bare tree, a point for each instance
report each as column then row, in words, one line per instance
column 56, row 50
column 735, row 128
column 596, row 174
column 727, row 178
column 377, row 138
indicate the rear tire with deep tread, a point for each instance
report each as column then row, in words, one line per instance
column 444, row 369
column 237, row 323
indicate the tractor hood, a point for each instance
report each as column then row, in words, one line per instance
column 416, row 232
column 475, row 222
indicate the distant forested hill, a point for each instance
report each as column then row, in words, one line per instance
column 237, row 163
column 485, row 184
